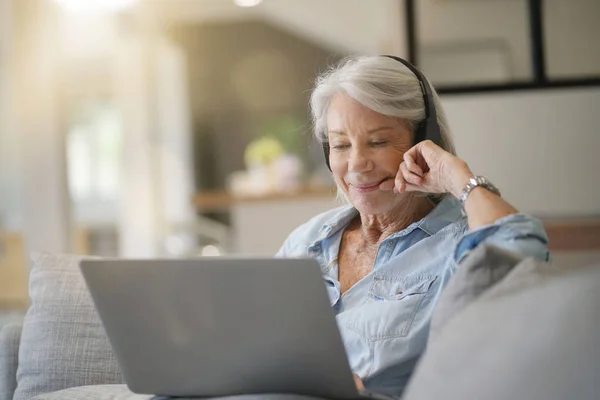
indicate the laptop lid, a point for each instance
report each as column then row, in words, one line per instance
column 221, row 326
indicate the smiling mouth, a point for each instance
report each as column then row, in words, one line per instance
column 368, row 186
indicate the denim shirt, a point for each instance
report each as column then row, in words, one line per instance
column 384, row 317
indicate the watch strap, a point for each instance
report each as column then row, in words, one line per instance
column 474, row 182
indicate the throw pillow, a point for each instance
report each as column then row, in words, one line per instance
column 63, row 342
column 10, row 336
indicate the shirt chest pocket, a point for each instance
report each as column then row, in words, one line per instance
column 393, row 304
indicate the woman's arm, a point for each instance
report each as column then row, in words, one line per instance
column 482, row 206
column 429, row 168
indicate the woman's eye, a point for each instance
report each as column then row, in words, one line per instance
column 378, row 143
column 340, row 146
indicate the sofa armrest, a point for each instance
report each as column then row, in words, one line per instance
column 10, row 337
column 529, row 330
column 483, row 268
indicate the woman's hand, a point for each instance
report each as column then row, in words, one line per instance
column 429, row 168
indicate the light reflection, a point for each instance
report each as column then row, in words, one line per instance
column 95, row 6
column 247, row 3
column 210, row 251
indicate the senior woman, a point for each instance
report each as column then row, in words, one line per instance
column 416, row 209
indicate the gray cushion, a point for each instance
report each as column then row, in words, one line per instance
column 98, row 392
column 484, row 267
column 10, row 335
column 120, row 392
column 532, row 335
column 63, row 343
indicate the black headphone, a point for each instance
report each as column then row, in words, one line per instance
column 428, row 129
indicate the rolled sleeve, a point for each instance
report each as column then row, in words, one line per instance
column 283, row 251
column 519, row 233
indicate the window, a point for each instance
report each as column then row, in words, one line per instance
column 93, row 154
column 474, row 45
column 468, row 42
column 571, row 32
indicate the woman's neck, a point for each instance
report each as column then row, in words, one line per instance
column 376, row 228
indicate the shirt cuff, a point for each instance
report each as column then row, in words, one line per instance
column 517, row 232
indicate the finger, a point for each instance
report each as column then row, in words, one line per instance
column 423, row 153
column 409, row 176
column 400, row 183
column 414, row 156
column 412, row 165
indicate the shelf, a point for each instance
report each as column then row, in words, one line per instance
column 222, row 200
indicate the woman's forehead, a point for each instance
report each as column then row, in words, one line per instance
column 346, row 113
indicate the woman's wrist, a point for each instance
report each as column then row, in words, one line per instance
column 460, row 173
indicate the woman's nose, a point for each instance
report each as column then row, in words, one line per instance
column 359, row 160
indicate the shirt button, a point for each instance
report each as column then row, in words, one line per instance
column 391, row 243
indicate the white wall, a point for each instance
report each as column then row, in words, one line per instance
column 541, row 148
column 344, row 26
column 350, row 26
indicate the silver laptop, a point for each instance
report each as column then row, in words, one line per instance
column 221, row 326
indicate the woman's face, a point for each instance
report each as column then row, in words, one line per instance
column 366, row 149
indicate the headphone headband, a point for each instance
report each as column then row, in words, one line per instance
column 428, row 129
column 432, row 133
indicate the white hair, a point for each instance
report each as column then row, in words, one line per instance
column 382, row 84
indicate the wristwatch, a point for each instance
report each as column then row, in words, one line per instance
column 472, row 183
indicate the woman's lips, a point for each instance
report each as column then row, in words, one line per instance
column 367, row 187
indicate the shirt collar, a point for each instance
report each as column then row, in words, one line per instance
column 445, row 212
column 338, row 221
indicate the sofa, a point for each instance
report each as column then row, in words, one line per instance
column 503, row 328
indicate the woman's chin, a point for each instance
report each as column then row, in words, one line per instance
column 374, row 203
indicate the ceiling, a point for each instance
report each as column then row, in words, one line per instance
column 344, row 26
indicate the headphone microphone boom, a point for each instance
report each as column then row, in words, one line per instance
column 428, row 129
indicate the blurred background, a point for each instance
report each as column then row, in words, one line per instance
column 179, row 128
